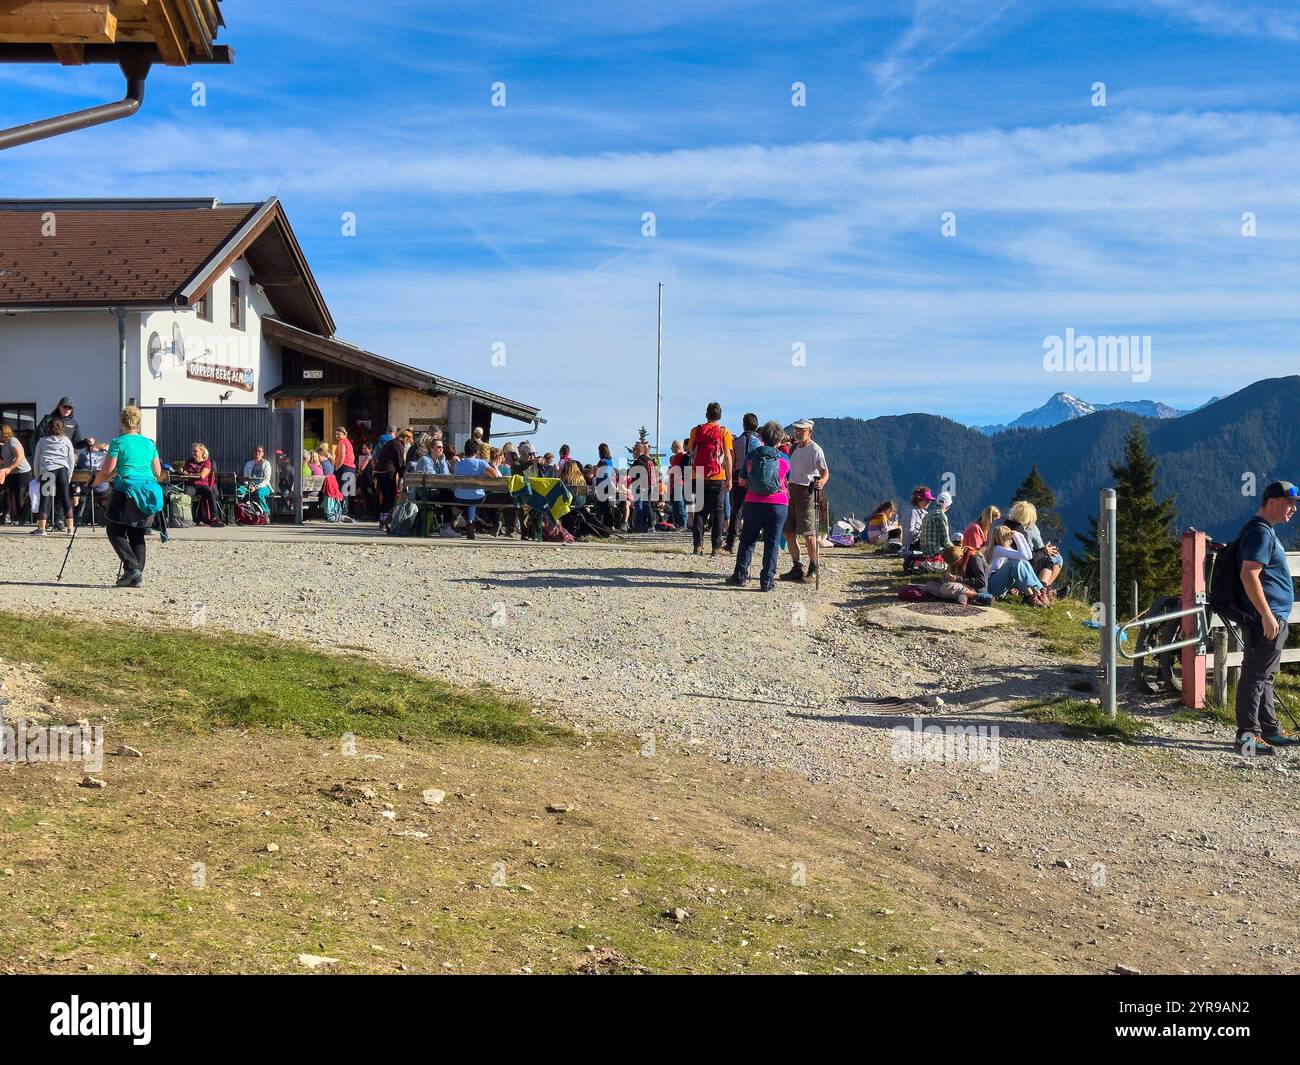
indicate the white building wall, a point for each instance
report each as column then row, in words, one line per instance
column 47, row 355
column 214, row 343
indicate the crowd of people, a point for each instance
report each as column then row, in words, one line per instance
column 995, row 555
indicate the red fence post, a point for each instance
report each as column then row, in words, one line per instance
column 1193, row 595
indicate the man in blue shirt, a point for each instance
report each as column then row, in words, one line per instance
column 1265, row 606
column 473, row 466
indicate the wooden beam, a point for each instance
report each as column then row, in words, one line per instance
column 58, row 21
column 70, row 55
column 166, row 35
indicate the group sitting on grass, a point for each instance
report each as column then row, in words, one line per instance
column 995, row 556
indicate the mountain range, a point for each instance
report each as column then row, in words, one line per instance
column 1209, row 458
column 1064, row 407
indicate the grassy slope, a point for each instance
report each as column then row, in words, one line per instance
column 104, row 880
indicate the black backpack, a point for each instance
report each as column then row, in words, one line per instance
column 1226, row 590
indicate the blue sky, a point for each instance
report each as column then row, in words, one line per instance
column 775, row 225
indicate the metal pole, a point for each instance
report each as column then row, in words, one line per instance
column 659, row 374
column 1106, row 537
column 298, row 429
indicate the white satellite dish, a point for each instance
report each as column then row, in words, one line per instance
column 155, row 354
column 178, row 344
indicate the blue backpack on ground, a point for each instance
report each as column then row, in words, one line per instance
column 331, row 509
column 764, row 472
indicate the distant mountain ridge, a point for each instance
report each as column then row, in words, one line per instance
column 1210, row 458
column 1064, row 407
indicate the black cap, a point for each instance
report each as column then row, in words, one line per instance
column 1281, row 490
column 65, row 402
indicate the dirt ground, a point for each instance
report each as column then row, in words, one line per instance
column 1169, row 854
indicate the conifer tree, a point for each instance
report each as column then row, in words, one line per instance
column 1035, row 490
column 1146, row 543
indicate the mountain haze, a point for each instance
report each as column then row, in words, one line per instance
column 1203, row 457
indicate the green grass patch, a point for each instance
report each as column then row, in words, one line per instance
column 1078, row 718
column 198, row 681
column 1061, row 626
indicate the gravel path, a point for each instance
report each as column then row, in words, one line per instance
column 1172, row 854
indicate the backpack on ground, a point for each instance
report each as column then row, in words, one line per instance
column 706, row 454
column 247, row 513
column 331, row 509
column 402, row 521
column 1226, row 589
column 764, row 477
column 179, row 512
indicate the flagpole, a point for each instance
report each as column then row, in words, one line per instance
column 659, row 374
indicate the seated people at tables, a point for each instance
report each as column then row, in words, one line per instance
column 92, row 461
column 284, row 476
column 472, row 466
column 1010, row 569
column 882, row 523
column 935, row 535
column 207, row 511
column 977, row 532
column 257, row 477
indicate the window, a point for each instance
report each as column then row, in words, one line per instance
column 21, row 417
column 203, row 308
column 236, row 303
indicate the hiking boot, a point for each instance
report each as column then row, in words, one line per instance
column 765, row 586
column 812, row 570
column 796, row 574
column 961, row 600
column 735, row 580
column 1281, row 739
column 1253, row 745
column 469, row 532
column 125, row 580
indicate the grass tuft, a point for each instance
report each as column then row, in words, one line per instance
column 197, row 681
column 1078, row 718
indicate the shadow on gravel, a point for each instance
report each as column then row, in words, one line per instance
column 620, row 577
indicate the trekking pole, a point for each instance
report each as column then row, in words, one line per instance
column 817, row 525
column 68, row 552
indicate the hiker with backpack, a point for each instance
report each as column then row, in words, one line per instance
column 747, row 441
column 1251, row 587
column 710, row 448
column 808, row 476
column 766, row 503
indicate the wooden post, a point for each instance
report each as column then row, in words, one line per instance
column 1193, row 595
column 1220, row 666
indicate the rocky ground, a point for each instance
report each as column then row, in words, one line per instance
column 1170, row 854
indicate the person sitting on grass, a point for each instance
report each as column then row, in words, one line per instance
column 1022, row 518
column 976, row 534
column 883, row 523
column 1010, row 569
column 935, row 534
column 911, row 516
column 967, row 576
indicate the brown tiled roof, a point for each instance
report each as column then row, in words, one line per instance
column 108, row 256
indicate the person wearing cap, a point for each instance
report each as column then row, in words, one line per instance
column 935, row 534
column 1263, row 609
column 64, row 413
column 808, row 475
column 910, row 517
